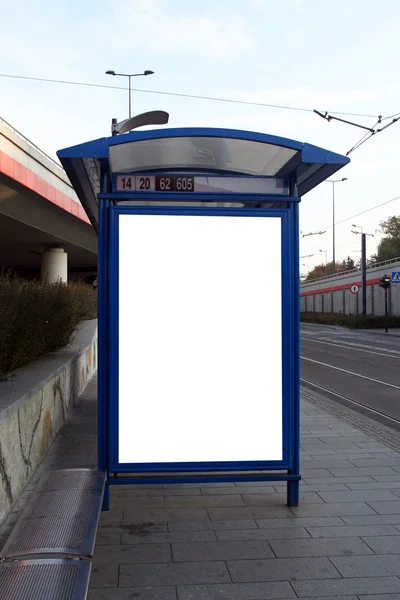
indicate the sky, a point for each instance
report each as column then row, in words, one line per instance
column 339, row 56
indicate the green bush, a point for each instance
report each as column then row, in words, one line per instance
column 37, row 318
column 351, row 321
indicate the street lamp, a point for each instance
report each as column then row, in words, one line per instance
column 333, row 181
column 147, row 72
column 357, row 226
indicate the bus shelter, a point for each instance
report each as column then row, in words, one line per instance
column 198, row 359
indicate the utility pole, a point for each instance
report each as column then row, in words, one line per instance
column 364, row 272
column 363, row 266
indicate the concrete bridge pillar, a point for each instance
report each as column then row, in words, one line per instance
column 54, row 265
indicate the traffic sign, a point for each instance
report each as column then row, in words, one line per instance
column 395, row 276
column 354, row 289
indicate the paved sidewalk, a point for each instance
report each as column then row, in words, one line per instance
column 240, row 542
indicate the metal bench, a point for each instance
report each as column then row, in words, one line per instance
column 46, row 579
column 58, row 527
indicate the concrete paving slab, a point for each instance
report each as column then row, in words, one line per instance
column 367, row 566
column 353, row 531
column 251, row 512
column 203, row 500
column 383, row 544
column 332, row 509
column 131, row 554
column 107, row 538
column 282, row 569
column 301, row 522
column 279, row 499
column 378, row 485
column 169, row 537
column 248, row 489
column 237, row 591
column 386, row 508
column 357, row 471
column 341, row 587
column 380, row 597
column 386, row 461
column 336, row 480
column 345, row 546
column 213, row 525
column 358, row 496
column 240, row 550
column 173, row 574
column 143, row 515
column 104, row 576
column 264, row 534
column 161, row 491
column 372, row 520
column 134, row 593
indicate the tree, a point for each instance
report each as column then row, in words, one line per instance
column 318, row 271
column 348, row 264
column 323, row 270
column 389, row 246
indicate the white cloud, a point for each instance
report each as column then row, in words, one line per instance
column 150, row 25
column 275, row 7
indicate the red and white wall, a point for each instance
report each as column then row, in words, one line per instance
column 333, row 293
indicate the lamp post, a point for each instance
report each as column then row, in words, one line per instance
column 145, row 73
column 333, row 181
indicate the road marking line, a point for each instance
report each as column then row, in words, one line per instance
column 353, row 347
column 350, row 372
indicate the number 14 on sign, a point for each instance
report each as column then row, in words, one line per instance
column 132, row 183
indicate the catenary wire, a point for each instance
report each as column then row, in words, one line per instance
column 359, row 214
column 179, row 95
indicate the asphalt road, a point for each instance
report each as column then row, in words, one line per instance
column 363, row 366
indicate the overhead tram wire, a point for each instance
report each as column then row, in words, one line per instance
column 179, row 95
column 371, row 131
column 363, row 212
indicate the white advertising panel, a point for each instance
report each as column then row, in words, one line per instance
column 200, row 339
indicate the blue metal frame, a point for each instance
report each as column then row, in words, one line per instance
column 287, row 336
column 198, row 197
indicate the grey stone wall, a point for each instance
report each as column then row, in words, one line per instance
column 34, row 403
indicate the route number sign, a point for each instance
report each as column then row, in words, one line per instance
column 151, row 183
column 354, row 289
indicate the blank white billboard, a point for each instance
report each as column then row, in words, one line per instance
column 200, row 339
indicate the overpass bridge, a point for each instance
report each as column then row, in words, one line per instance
column 44, row 230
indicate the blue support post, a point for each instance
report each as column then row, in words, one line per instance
column 293, row 487
column 102, row 341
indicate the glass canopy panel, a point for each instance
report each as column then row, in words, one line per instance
column 199, row 152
